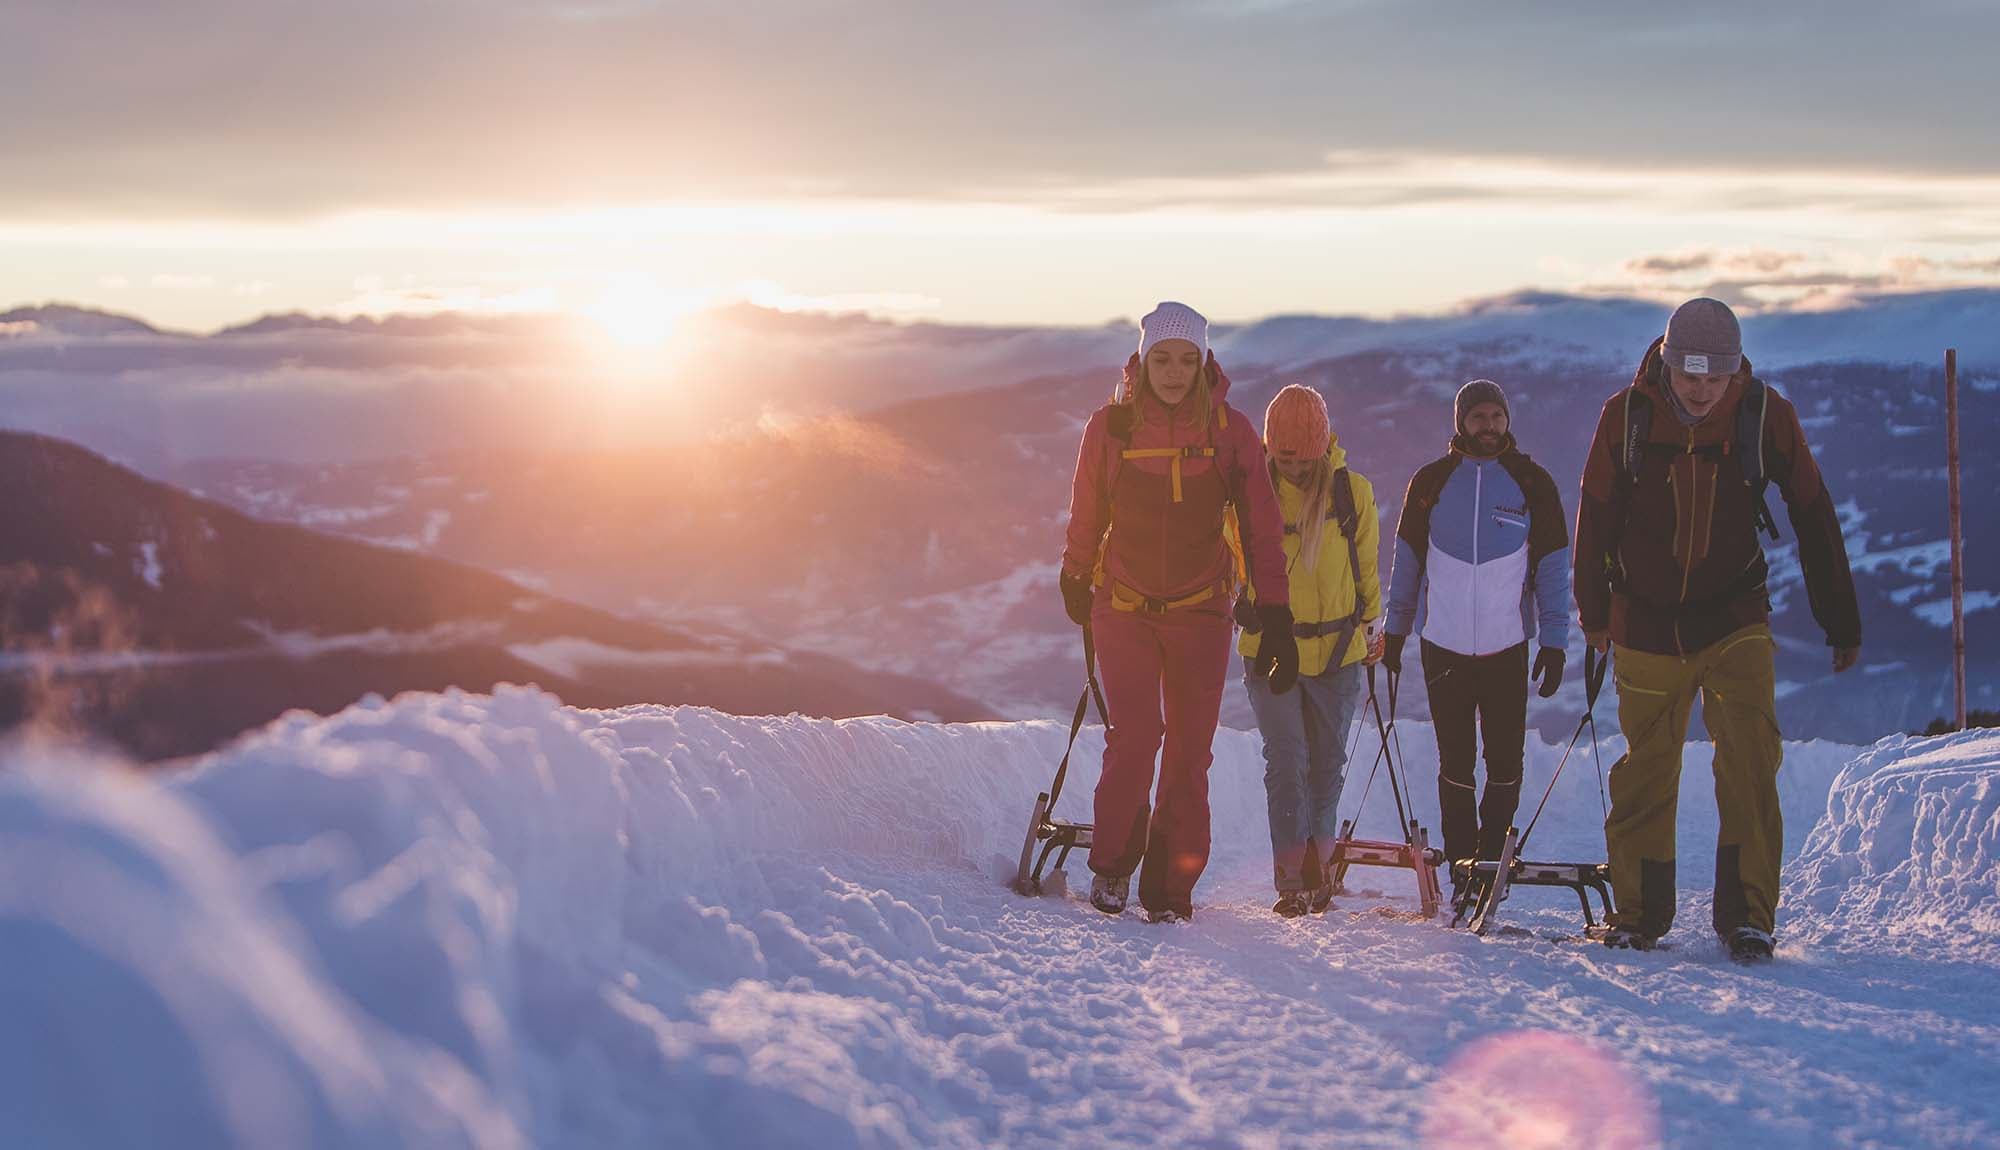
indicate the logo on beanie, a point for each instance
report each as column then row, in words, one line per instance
column 1695, row 364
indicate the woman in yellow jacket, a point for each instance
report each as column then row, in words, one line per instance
column 1336, row 595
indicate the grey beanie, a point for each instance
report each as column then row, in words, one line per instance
column 1472, row 395
column 1703, row 338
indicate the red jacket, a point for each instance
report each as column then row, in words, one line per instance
column 1672, row 563
column 1140, row 561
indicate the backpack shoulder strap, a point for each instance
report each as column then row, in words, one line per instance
column 1752, row 414
column 1348, row 518
column 1343, row 502
column 1119, row 420
column 1638, row 427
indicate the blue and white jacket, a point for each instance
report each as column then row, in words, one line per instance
column 1482, row 555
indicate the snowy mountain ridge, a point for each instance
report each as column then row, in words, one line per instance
column 497, row 921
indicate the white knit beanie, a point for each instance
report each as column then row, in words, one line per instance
column 1172, row 320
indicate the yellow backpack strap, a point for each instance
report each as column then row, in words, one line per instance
column 1174, row 453
column 1232, row 534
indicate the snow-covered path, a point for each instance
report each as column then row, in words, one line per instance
column 463, row 920
column 1242, row 1029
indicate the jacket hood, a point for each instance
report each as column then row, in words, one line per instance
column 1651, row 381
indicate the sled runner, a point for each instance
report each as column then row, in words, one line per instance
column 1059, row 836
column 1414, row 850
column 1484, row 885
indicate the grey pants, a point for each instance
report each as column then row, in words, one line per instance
column 1305, row 766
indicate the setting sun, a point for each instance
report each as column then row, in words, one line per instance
column 639, row 315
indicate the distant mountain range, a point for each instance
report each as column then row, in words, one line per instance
column 168, row 623
column 921, row 539
column 314, row 389
column 917, row 537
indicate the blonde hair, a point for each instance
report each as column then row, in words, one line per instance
column 1201, row 394
column 1313, row 517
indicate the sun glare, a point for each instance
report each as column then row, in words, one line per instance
column 638, row 315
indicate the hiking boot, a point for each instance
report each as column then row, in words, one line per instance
column 1108, row 894
column 1319, row 898
column 1626, row 938
column 1292, row 903
column 1749, row 946
column 1169, row 915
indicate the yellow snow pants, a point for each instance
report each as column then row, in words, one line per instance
column 1736, row 679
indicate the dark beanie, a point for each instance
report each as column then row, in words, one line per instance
column 1472, row 395
column 1703, row 338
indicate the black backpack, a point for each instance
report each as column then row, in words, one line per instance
column 1748, row 443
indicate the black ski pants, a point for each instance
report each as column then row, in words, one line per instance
column 1489, row 692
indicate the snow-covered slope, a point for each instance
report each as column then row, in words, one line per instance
column 1908, row 855
column 469, row 920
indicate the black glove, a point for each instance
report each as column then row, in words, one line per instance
column 1392, row 652
column 1549, row 669
column 1277, row 648
column 1246, row 614
column 1076, row 597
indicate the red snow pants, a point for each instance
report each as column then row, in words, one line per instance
column 1162, row 675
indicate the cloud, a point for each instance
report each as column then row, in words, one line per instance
column 617, row 101
column 1759, row 278
column 1670, row 265
column 1752, row 262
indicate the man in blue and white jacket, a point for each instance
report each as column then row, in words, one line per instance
column 1482, row 566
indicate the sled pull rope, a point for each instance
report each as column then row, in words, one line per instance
column 1091, row 692
column 1387, row 731
column 1359, row 723
column 1594, row 666
column 1396, row 787
column 1395, row 733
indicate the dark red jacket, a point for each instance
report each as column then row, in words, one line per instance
column 1673, row 562
column 1194, row 539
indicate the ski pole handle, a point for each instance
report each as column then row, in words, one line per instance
column 1594, row 667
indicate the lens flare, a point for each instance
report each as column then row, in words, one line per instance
column 1539, row 1090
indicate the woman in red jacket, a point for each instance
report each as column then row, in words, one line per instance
column 1147, row 568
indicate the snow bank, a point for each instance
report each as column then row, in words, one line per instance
column 154, row 995
column 506, row 908
column 496, row 921
column 1908, row 855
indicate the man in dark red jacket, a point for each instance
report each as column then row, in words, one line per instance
column 1670, row 570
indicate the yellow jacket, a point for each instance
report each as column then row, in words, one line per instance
column 1328, row 591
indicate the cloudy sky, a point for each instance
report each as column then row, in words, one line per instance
column 206, row 161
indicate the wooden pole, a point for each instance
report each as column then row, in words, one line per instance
column 1957, row 539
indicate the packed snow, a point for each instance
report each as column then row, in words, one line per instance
column 495, row 921
column 1908, row 854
